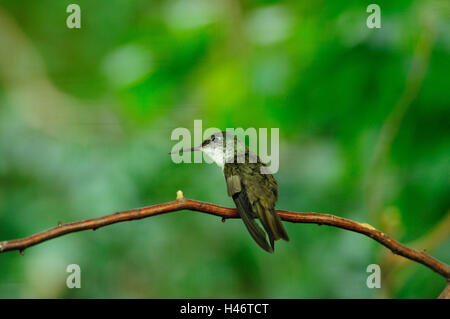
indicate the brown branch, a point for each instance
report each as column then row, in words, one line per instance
column 446, row 292
column 225, row 212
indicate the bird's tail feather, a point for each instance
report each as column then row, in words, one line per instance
column 271, row 222
column 247, row 215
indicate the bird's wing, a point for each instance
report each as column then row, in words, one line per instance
column 262, row 195
column 239, row 195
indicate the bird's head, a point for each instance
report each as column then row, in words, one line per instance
column 221, row 147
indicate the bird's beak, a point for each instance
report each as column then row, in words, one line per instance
column 193, row 149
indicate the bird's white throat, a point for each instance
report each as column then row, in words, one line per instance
column 219, row 154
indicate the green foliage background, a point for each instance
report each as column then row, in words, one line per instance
column 85, row 122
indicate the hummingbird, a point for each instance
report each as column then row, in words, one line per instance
column 249, row 183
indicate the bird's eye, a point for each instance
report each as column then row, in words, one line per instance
column 213, row 138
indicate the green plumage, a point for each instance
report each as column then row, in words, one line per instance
column 255, row 196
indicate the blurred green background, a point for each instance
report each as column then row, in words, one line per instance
column 85, row 122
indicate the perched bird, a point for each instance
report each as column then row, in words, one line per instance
column 253, row 189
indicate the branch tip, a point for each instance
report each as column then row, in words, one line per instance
column 180, row 195
column 446, row 292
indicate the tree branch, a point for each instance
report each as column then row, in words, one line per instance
column 225, row 212
column 446, row 292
